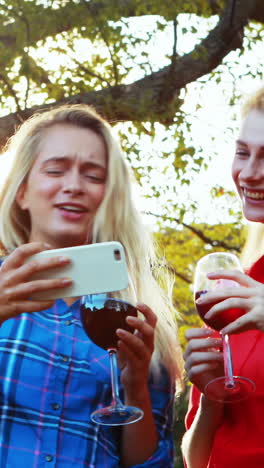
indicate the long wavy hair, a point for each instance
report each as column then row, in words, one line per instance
column 116, row 219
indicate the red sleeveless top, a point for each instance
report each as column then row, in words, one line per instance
column 239, row 441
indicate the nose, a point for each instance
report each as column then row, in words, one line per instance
column 253, row 170
column 73, row 182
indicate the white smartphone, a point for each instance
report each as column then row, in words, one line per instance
column 94, row 268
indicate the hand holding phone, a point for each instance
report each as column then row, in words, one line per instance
column 94, row 268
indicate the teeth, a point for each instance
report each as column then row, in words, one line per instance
column 72, row 208
column 255, row 195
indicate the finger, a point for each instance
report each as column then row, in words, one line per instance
column 202, row 345
column 200, row 369
column 235, row 275
column 193, row 333
column 124, row 352
column 21, row 253
column 220, row 294
column 26, row 271
column 244, row 323
column 131, row 358
column 17, row 308
column 25, row 290
column 148, row 313
column 231, row 303
column 202, row 357
column 121, row 356
column 146, row 331
column 135, row 344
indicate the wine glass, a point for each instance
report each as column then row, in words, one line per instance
column 228, row 388
column 102, row 315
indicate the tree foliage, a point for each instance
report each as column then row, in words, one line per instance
column 126, row 58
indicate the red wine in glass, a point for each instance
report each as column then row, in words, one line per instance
column 112, row 314
column 101, row 316
column 228, row 388
column 220, row 320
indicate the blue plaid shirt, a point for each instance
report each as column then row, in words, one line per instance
column 51, row 378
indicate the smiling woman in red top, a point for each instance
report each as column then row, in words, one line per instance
column 232, row 435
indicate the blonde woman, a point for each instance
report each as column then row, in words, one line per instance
column 69, row 185
column 231, row 435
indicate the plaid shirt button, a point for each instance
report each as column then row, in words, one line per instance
column 65, row 358
column 55, row 406
column 48, row 458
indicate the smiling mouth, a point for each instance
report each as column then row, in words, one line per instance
column 253, row 195
column 72, row 209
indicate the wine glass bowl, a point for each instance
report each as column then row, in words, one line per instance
column 228, row 388
column 221, row 320
column 112, row 312
column 101, row 316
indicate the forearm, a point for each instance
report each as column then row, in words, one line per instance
column 198, row 440
column 140, row 439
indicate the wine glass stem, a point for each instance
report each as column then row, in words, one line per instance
column 114, row 378
column 229, row 377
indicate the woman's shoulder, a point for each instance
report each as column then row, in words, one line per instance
column 256, row 271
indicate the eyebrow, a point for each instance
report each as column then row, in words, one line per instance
column 242, row 143
column 65, row 159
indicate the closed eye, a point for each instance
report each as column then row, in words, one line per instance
column 95, row 178
column 54, row 171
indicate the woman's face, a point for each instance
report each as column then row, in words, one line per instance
column 248, row 166
column 65, row 186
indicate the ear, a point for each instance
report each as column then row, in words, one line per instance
column 21, row 198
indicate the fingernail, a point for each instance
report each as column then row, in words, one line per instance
column 130, row 319
column 64, row 259
column 66, row 281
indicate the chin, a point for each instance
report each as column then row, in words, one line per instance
column 65, row 239
column 254, row 217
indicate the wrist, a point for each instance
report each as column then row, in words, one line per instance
column 212, row 411
column 135, row 394
column 206, row 403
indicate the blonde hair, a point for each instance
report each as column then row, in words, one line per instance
column 254, row 102
column 254, row 245
column 116, row 219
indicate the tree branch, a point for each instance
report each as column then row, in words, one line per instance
column 56, row 21
column 11, row 91
column 155, row 97
column 179, row 275
column 199, row 233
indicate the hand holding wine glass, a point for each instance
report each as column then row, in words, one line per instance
column 203, row 356
column 111, row 321
column 249, row 297
column 228, row 388
column 135, row 349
